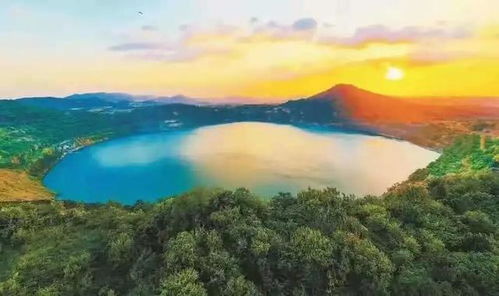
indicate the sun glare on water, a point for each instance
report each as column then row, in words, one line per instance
column 394, row 73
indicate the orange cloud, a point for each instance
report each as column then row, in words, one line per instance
column 411, row 34
column 276, row 62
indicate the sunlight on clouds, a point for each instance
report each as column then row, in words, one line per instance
column 275, row 68
column 270, row 59
column 248, row 61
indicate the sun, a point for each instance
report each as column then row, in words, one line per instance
column 394, row 73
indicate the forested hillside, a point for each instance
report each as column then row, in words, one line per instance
column 34, row 132
column 32, row 137
column 435, row 235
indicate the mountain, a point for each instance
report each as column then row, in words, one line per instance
column 342, row 104
column 104, row 101
column 102, row 96
column 349, row 103
column 178, row 99
column 429, row 122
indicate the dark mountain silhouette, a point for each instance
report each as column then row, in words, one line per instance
column 349, row 103
column 106, row 100
column 430, row 122
column 341, row 104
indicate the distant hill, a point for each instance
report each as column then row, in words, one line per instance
column 342, row 103
column 349, row 103
column 97, row 101
column 426, row 121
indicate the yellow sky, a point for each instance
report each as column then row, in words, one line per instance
column 273, row 68
column 267, row 60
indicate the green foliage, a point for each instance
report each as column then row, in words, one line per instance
column 469, row 153
column 435, row 234
column 434, row 239
column 33, row 135
column 33, row 139
column 183, row 283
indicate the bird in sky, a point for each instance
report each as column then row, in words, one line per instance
column 141, row 13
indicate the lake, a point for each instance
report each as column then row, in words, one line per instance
column 265, row 158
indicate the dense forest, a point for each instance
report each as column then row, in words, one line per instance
column 33, row 137
column 435, row 234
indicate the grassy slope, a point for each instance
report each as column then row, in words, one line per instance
column 19, row 186
column 468, row 154
column 441, row 134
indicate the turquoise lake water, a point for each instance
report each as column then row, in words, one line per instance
column 265, row 158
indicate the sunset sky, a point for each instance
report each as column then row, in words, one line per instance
column 266, row 50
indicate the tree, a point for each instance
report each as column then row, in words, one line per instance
column 184, row 282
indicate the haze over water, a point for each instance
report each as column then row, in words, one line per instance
column 265, row 158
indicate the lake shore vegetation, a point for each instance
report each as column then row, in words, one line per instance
column 435, row 234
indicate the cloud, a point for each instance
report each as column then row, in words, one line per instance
column 192, row 45
column 304, row 24
column 168, row 55
column 184, row 28
column 149, row 28
column 254, row 20
column 304, row 28
column 425, row 56
column 301, row 40
column 221, row 39
column 158, row 51
column 380, row 33
column 134, row 46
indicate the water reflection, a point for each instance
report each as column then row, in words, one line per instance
column 269, row 157
column 138, row 150
column 266, row 158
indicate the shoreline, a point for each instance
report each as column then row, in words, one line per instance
column 311, row 128
column 84, row 142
